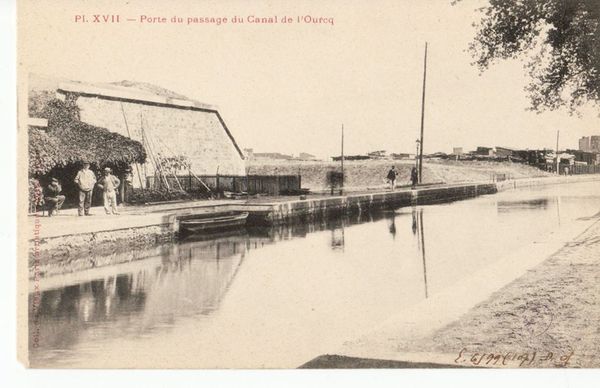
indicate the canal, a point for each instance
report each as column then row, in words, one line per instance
column 278, row 297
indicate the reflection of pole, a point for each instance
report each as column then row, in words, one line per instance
column 557, row 159
column 414, row 222
column 338, row 240
column 393, row 226
column 558, row 209
column 423, row 251
column 422, row 115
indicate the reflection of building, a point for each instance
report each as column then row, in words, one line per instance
column 337, row 233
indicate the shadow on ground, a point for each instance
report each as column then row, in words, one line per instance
column 332, row 361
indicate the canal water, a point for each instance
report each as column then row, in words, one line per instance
column 278, row 297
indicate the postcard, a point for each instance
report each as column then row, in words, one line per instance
column 308, row 184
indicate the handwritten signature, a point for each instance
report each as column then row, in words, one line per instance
column 514, row 359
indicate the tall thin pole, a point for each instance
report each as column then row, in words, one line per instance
column 557, row 159
column 423, row 115
column 342, row 155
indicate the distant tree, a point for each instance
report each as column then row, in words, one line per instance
column 562, row 38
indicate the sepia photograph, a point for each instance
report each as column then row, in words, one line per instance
column 269, row 184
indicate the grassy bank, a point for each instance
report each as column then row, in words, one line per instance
column 371, row 173
column 550, row 317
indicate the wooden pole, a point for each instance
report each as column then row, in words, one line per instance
column 137, row 168
column 422, row 116
column 342, row 157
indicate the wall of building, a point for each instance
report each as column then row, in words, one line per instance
column 595, row 143
column 197, row 135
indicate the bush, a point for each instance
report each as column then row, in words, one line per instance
column 138, row 196
column 335, row 179
column 36, row 195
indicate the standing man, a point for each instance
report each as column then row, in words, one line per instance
column 109, row 185
column 414, row 176
column 85, row 180
column 53, row 197
column 391, row 177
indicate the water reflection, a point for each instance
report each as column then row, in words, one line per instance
column 419, row 230
column 521, row 205
column 286, row 285
column 392, row 226
column 337, row 233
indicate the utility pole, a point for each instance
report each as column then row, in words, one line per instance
column 342, row 158
column 557, row 158
column 422, row 115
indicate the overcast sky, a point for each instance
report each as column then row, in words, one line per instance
column 289, row 87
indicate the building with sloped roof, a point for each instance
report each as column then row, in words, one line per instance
column 168, row 125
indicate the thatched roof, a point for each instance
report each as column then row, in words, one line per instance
column 68, row 140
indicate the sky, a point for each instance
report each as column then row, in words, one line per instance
column 290, row 87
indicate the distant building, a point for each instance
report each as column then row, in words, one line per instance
column 590, row 158
column 272, row 156
column 401, row 155
column 249, row 152
column 350, row 157
column 457, row 151
column 504, row 151
column 306, row 156
column 531, row 157
column 486, row 151
column 589, row 144
column 378, row 154
column 584, row 144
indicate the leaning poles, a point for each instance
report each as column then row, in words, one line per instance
column 422, row 116
column 342, row 182
column 557, row 158
column 137, row 168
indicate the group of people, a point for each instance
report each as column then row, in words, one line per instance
column 393, row 174
column 86, row 183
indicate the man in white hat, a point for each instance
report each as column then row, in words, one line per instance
column 85, row 180
column 109, row 185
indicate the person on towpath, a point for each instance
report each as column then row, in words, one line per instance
column 53, row 198
column 109, row 185
column 85, row 181
column 414, row 177
column 391, row 177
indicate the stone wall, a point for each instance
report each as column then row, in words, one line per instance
column 83, row 251
column 198, row 135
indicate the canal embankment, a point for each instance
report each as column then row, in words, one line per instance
column 321, row 284
column 546, row 318
column 64, row 239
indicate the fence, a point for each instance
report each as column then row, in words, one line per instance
column 252, row 184
column 583, row 169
